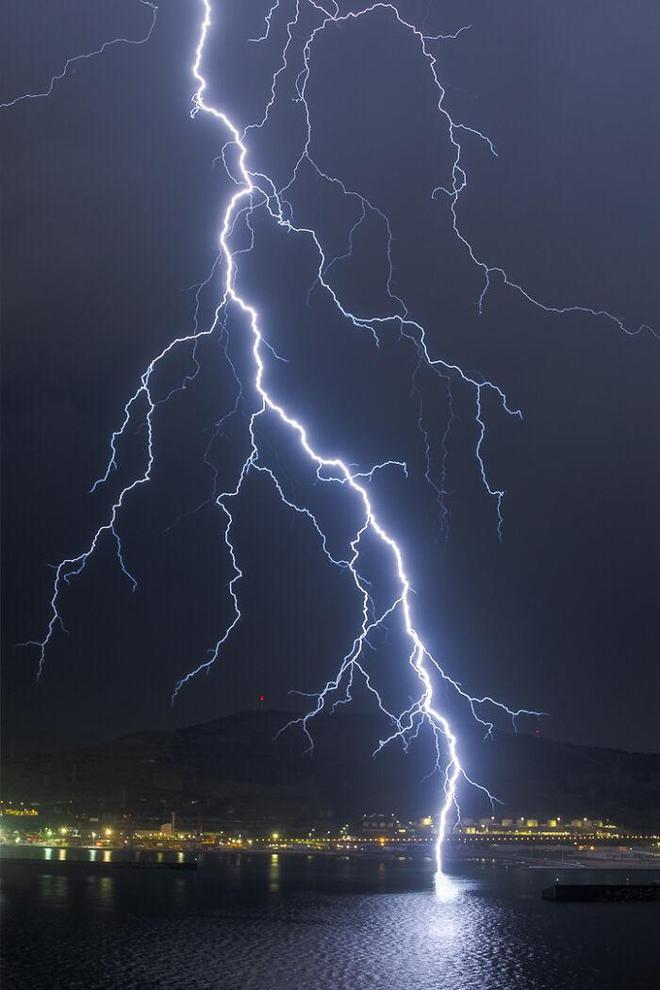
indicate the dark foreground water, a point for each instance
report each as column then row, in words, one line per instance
column 280, row 922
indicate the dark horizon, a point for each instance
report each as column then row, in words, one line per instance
column 243, row 760
column 33, row 743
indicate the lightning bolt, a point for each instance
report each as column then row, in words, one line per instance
column 256, row 192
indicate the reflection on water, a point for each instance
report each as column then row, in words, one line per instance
column 105, row 892
column 53, row 890
column 446, row 889
column 274, row 874
column 311, row 923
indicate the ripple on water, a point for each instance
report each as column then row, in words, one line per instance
column 192, row 933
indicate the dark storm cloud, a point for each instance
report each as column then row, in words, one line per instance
column 111, row 211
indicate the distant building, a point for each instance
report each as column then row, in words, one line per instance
column 379, row 824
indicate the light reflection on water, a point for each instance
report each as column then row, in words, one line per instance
column 274, row 872
column 274, row 921
column 105, row 892
column 446, row 889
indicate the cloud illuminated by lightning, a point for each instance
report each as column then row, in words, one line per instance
column 255, row 190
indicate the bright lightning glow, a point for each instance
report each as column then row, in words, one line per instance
column 257, row 191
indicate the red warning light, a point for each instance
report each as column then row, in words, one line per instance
column 262, row 698
column 537, row 732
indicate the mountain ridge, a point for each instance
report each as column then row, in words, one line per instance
column 240, row 767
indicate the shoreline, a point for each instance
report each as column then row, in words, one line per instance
column 149, row 858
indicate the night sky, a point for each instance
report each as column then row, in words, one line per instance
column 111, row 211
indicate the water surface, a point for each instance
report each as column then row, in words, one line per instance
column 317, row 923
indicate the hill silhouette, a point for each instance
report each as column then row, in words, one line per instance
column 239, row 769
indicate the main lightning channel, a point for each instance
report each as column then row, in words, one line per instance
column 420, row 658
